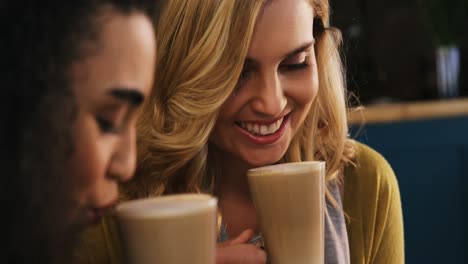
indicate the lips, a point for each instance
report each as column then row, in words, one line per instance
column 261, row 132
column 96, row 214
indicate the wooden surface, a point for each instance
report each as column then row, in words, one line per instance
column 393, row 112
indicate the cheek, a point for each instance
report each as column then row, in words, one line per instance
column 219, row 131
column 315, row 88
column 305, row 89
column 88, row 162
column 224, row 126
column 229, row 108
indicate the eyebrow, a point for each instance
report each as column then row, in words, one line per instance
column 129, row 95
column 302, row 48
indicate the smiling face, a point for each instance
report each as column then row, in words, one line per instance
column 109, row 86
column 276, row 89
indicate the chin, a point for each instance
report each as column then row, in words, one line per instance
column 264, row 157
column 62, row 233
column 262, row 160
column 76, row 218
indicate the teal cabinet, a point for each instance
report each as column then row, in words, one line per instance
column 430, row 159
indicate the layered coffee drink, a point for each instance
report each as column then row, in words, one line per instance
column 169, row 229
column 290, row 201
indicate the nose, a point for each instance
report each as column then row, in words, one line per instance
column 123, row 161
column 270, row 99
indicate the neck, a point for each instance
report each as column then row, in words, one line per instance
column 232, row 189
column 231, row 179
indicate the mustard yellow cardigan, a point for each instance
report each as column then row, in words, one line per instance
column 371, row 201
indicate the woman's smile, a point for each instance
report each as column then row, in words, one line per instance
column 275, row 91
column 263, row 132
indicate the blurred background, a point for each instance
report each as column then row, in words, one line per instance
column 407, row 63
column 391, row 47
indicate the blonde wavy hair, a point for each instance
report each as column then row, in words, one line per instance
column 201, row 49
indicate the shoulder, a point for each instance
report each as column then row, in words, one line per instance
column 370, row 185
column 367, row 159
column 370, row 172
column 372, row 204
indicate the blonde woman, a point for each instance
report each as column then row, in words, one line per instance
column 243, row 84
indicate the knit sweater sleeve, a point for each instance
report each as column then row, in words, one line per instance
column 372, row 203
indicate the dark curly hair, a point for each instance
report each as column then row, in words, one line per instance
column 39, row 42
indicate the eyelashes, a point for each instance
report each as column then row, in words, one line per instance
column 245, row 74
column 292, row 64
column 106, row 126
column 247, row 71
column 294, row 67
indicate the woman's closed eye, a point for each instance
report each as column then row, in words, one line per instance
column 106, row 126
column 246, row 73
column 112, row 120
column 247, row 70
column 296, row 62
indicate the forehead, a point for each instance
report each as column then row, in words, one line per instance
column 123, row 57
column 283, row 26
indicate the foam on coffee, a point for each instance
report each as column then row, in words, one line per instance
column 288, row 168
column 166, row 206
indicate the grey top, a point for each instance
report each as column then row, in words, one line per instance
column 336, row 236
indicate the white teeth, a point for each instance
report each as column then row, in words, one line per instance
column 256, row 129
column 262, row 129
column 272, row 128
